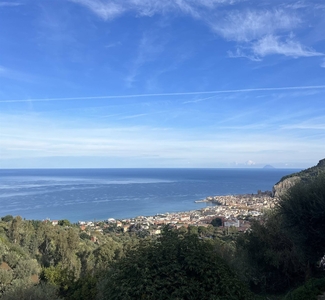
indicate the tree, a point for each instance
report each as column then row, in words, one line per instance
column 216, row 222
column 38, row 292
column 84, row 236
column 27, row 234
column 60, row 277
column 84, row 288
column 267, row 258
column 46, row 246
column 7, row 218
column 193, row 230
column 302, row 211
column 284, row 248
column 14, row 229
column 26, row 268
column 172, row 267
column 6, row 276
column 66, row 242
column 107, row 253
column 64, row 222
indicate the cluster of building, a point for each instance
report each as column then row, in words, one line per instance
column 233, row 210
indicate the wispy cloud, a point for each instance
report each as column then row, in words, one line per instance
column 296, row 5
column 16, row 75
column 110, row 9
column 133, row 116
column 305, row 126
column 250, row 25
column 263, row 32
column 198, row 100
column 323, row 63
column 273, row 45
column 112, row 45
column 315, row 124
column 148, row 49
column 6, row 3
column 105, row 10
column 244, row 54
column 258, row 30
column 288, row 88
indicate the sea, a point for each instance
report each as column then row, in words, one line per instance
column 99, row 194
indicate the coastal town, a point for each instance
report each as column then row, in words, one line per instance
column 233, row 211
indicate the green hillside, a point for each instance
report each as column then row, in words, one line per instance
column 307, row 174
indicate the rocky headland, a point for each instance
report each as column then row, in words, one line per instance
column 289, row 181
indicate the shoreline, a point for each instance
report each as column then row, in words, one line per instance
column 231, row 205
column 234, row 211
column 87, row 196
column 225, row 206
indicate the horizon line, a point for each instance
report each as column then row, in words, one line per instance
column 79, row 168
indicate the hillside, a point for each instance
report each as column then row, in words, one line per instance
column 288, row 181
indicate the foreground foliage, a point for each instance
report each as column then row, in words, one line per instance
column 285, row 248
column 267, row 257
column 302, row 211
column 310, row 290
column 173, row 267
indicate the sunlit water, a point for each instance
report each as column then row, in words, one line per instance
column 88, row 194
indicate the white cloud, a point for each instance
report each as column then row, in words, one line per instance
column 10, row 4
column 256, row 30
column 258, row 34
column 250, row 163
column 263, row 32
column 16, row 75
column 240, row 53
column 110, row 9
column 296, row 5
column 133, row 116
column 323, row 63
column 315, row 124
column 112, row 45
column 288, row 88
column 213, row 3
column 270, row 44
column 303, row 126
column 149, row 48
column 105, row 10
column 253, row 24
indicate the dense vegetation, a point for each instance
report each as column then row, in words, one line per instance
column 174, row 266
column 308, row 174
column 278, row 257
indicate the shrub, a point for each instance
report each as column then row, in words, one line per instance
column 173, row 267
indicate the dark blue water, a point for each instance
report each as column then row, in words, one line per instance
column 88, row 194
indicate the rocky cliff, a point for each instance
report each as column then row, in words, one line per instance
column 282, row 186
column 288, row 181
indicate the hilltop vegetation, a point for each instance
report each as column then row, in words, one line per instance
column 56, row 256
column 286, row 182
column 43, row 261
column 307, row 174
column 279, row 253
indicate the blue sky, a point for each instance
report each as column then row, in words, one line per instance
column 148, row 83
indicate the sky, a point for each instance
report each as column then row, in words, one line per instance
column 162, row 83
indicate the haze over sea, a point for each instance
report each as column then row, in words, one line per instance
column 88, row 194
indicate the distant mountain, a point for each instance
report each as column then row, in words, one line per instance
column 268, row 167
column 288, row 181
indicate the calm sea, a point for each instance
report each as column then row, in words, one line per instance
column 98, row 194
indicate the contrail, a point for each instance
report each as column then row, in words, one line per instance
column 169, row 94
